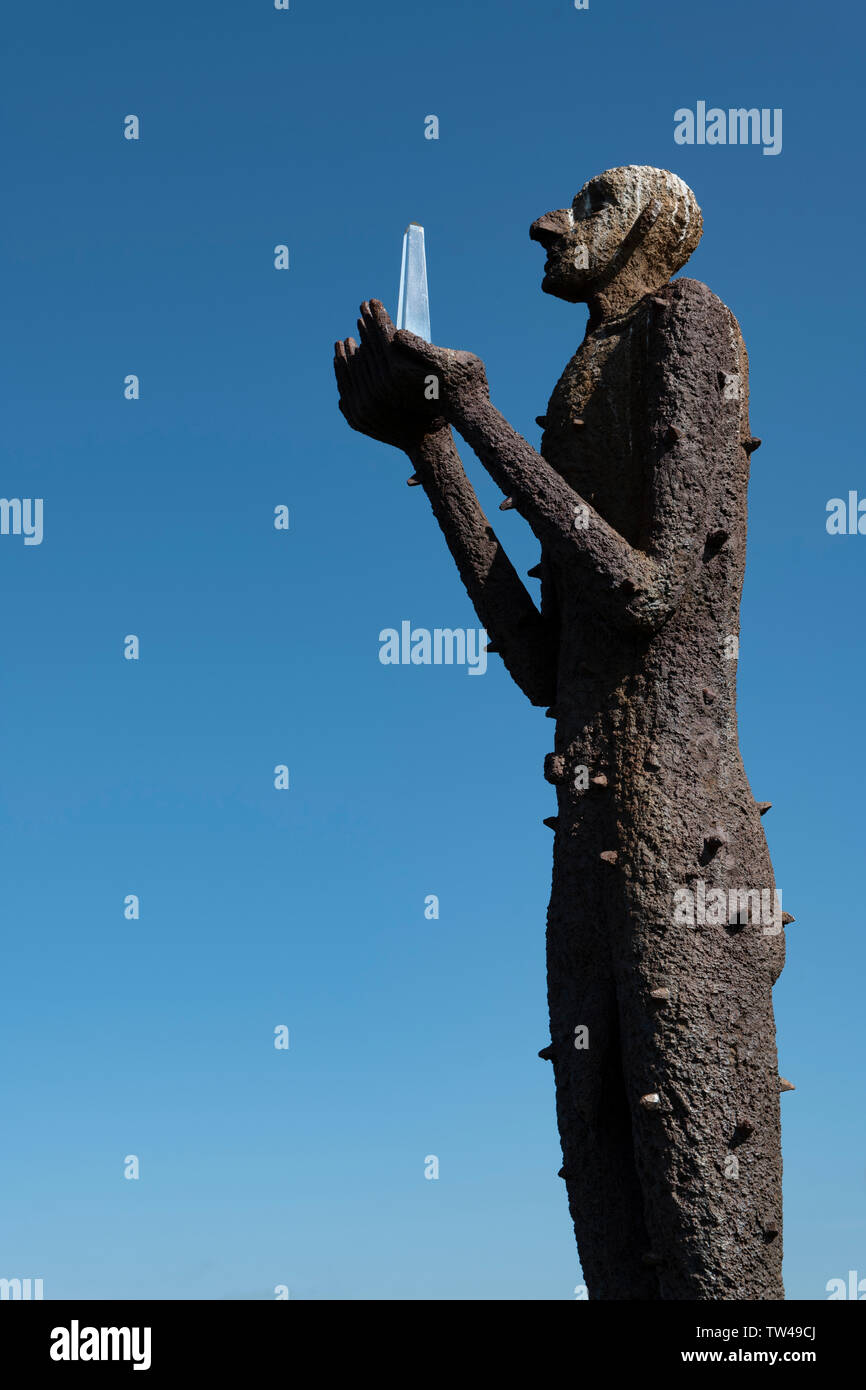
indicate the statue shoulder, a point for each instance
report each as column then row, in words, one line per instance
column 700, row 341
column 694, row 302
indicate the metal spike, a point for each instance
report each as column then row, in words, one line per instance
column 763, row 807
column 541, row 420
column 561, row 1173
column 651, row 1101
column 506, row 504
column 546, row 1053
column 750, row 445
column 609, row 856
column 492, row 649
column 661, row 993
column 535, row 572
column 658, row 300
column 552, row 821
column 578, row 424
column 786, row 1085
column 554, row 768
column 551, row 713
column 787, row 919
column 414, row 481
column 717, row 538
column 599, row 781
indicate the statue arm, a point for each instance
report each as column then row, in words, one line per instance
column 376, row 404
column 564, row 523
column 689, row 351
column 504, row 607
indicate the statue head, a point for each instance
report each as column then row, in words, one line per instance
column 626, row 233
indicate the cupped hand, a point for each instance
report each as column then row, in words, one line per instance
column 382, row 392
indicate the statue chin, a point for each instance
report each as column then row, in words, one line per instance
column 552, row 284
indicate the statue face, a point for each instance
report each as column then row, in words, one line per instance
column 581, row 241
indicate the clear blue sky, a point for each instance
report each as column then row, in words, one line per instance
column 409, row 1037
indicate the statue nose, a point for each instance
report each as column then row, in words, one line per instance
column 551, row 225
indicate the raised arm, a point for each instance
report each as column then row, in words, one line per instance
column 500, row 599
column 690, row 350
column 375, row 405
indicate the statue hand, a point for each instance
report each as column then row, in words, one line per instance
column 379, row 397
column 456, row 377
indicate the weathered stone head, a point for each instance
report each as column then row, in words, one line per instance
column 626, row 233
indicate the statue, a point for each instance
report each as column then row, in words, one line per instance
column 664, row 931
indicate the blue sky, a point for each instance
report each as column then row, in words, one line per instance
column 305, row 907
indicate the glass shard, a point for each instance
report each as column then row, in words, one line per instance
column 413, row 308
